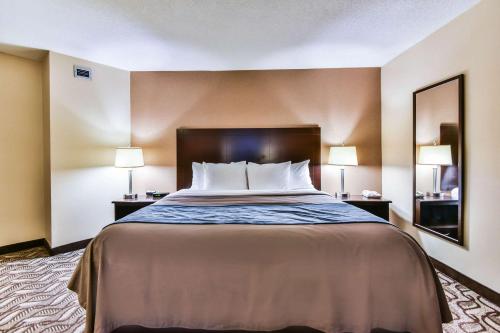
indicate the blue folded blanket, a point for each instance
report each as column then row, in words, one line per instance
column 286, row 214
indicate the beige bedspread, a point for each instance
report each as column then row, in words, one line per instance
column 332, row 277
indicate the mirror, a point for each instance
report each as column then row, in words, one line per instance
column 438, row 159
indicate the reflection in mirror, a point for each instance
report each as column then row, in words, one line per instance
column 438, row 135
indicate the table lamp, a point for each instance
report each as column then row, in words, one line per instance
column 435, row 155
column 130, row 158
column 343, row 156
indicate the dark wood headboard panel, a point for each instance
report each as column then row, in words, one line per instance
column 258, row 145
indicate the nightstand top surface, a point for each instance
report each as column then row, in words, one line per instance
column 140, row 199
column 352, row 198
column 360, row 198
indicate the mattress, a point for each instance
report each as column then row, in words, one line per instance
column 257, row 261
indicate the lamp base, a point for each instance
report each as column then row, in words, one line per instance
column 130, row 196
column 342, row 195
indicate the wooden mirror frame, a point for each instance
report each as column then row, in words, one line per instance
column 461, row 99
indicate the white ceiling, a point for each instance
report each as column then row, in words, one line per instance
column 226, row 34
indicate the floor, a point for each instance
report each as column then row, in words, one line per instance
column 34, row 298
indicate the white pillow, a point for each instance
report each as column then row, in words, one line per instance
column 225, row 176
column 198, row 181
column 271, row 176
column 300, row 177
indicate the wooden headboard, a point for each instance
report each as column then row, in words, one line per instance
column 258, row 145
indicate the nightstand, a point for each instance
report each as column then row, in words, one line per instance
column 438, row 214
column 124, row 207
column 378, row 207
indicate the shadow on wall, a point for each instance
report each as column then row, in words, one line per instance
column 404, row 224
column 199, row 99
column 89, row 142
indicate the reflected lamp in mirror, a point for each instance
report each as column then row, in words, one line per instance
column 436, row 155
column 343, row 156
column 129, row 158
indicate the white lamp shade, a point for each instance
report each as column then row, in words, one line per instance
column 435, row 155
column 129, row 157
column 343, row 156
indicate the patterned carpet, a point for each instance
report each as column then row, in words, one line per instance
column 34, row 298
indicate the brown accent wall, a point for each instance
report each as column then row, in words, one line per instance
column 344, row 102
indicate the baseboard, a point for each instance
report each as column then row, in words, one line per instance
column 482, row 290
column 70, row 247
column 22, row 245
column 43, row 242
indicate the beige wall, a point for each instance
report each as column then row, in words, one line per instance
column 471, row 45
column 21, row 150
column 344, row 102
column 88, row 119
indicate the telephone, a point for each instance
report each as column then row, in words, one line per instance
column 419, row 195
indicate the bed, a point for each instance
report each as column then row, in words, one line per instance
column 257, row 260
